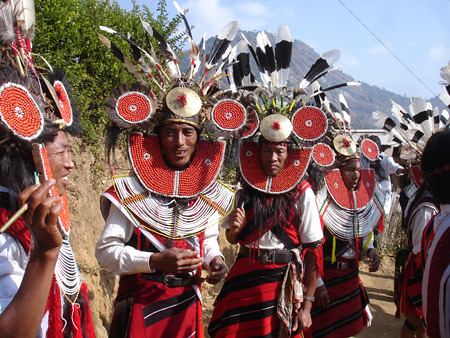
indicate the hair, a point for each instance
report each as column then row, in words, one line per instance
column 435, row 157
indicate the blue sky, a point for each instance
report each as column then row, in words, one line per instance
column 416, row 31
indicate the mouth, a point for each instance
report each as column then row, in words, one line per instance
column 65, row 181
column 180, row 153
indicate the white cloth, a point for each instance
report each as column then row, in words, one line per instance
column 13, row 262
column 309, row 231
column 420, row 218
column 388, row 167
column 112, row 252
column 440, row 224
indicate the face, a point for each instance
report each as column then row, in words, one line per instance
column 272, row 157
column 60, row 161
column 351, row 172
column 178, row 141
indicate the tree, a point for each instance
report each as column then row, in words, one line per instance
column 67, row 37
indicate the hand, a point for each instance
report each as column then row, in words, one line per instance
column 236, row 220
column 302, row 320
column 42, row 216
column 374, row 260
column 219, row 270
column 321, row 296
column 176, row 261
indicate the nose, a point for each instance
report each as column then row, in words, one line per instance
column 273, row 157
column 68, row 163
column 179, row 138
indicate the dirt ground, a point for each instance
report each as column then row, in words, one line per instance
column 92, row 176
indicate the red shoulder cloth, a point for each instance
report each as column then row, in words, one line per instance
column 18, row 229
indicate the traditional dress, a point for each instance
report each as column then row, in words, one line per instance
column 67, row 312
column 149, row 302
column 247, row 304
column 349, row 218
column 408, row 296
column 436, row 277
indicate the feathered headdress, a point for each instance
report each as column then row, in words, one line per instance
column 164, row 94
column 33, row 105
column 278, row 112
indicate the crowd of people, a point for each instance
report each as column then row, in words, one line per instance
column 304, row 211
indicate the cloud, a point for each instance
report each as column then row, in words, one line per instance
column 439, row 52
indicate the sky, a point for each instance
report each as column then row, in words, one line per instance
column 415, row 32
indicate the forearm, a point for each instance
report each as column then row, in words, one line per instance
column 31, row 298
column 310, row 277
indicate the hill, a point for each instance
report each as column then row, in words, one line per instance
column 362, row 100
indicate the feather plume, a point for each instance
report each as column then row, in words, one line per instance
column 221, row 44
column 18, row 14
column 266, row 60
column 118, row 54
column 422, row 114
column 164, row 47
column 324, row 62
column 283, row 53
column 345, row 110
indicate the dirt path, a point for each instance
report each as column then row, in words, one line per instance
column 380, row 286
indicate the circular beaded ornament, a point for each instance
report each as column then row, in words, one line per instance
column 19, row 111
column 133, row 107
column 252, row 125
column 228, row 115
column 346, row 199
column 323, row 155
column 157, row 177
column 309, row 123
column 369, row 149
column 288, row 178
column 64, row 102
column 344, row 145
column 418, row 175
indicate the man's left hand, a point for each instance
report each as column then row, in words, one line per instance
column 374, row 260
column 219, row 270
column 302, row 321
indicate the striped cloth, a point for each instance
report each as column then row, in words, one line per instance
column 247, row 303
column 348, row 299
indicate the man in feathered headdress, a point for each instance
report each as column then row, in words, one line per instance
column 270, row 288
column 41, row 290
column 162, row 218
column 349, row 204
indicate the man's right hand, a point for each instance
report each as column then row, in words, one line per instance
column 176, row 261
column 42, row 216
column 236, row 220
column 321, row 297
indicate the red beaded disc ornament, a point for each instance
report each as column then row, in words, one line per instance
column 19, row 111
column 64, row 102
column 369, row 149
column 323, row 155
column 228, row 115
column 288, row 178
column 417, row 175
column 44, row 169
column 133, row 107
column 157, row 177
column 344, row 197
column 252, row 125
column 310, row 123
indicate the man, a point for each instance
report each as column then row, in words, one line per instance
column 162, row 218
column 435, row 243
column 347, row 197
column 279, row 235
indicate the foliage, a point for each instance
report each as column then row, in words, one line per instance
column 67, row 37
